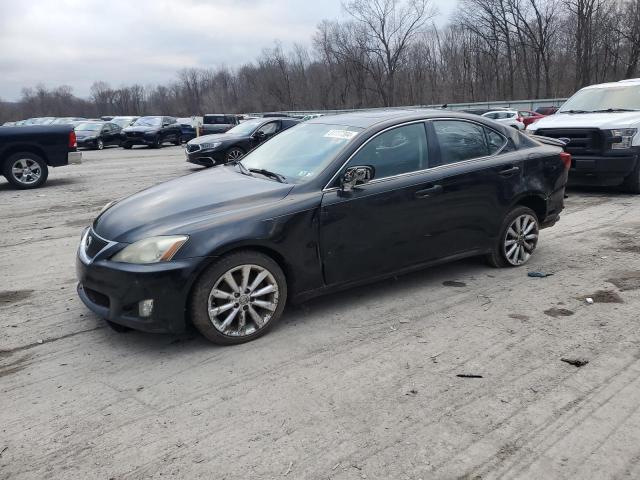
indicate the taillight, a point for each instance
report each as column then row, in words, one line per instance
column 73, row 142
column 566, row 159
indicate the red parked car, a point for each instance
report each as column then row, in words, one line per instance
column 529, row 117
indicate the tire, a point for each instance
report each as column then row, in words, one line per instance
column 99, row 144
column 178, row 141
column 25, row 170
column 126, row 146
column 632, row 182
column 157, row 142
column 524, row 241
column 235, row 153
column 249, row 316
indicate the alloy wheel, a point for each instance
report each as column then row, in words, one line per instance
column 243, row 300
column 520, row 239
column 26, row 171
column 100, row 144
column 235, row 154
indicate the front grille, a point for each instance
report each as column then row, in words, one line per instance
column 192, row 147
column 93, row 244
column 582, row 141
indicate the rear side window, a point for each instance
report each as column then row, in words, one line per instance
column 459, row 141
column 400, row 150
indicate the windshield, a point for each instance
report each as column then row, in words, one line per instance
column 122, row 122
column 148, row 122
column 624, row 97
column 301, row 152
column 90, row 127
column 246, row 128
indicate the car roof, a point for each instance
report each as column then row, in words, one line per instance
column 369, row 118
column 629, row 81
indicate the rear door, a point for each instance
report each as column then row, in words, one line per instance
column 478, row 173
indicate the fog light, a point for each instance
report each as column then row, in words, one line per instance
column 145, row 307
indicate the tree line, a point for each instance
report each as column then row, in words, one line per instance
column 390, row 53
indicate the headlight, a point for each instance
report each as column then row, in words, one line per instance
column 151, row 250
column 623, row 138
column 210, row 146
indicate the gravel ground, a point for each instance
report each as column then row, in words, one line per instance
column 362, row 384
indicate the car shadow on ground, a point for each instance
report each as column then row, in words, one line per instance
column 51, row 182
column 308, row 312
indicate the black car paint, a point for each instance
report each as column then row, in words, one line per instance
column 110, row 134
column 218, row 123
column 168, row 131
column 210, row 157
column 50, row 142
column 323, row 238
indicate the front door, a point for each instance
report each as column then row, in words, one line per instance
column 382, row 225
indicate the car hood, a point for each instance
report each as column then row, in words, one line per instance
column 140, row 128
column 174, row 207
column 214, row 137
column 603, row 121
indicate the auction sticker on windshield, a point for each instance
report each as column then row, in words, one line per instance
column 342, row 134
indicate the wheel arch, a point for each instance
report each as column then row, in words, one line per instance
column 19, row 148
column 535, row 202
column 267, row 250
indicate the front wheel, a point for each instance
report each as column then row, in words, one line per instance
column 238, row 298
column 178, row 141
column 234, row 153
column 157, row 142
column 517, row 240
column 25, row 170
column 126, row 146
column 100, row 144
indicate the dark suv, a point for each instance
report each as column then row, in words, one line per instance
column 218, row 123
column 152, row 131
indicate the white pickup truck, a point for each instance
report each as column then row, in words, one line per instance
column 601, row 124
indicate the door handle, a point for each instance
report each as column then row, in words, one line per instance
column 509, row 171
column 429, row 192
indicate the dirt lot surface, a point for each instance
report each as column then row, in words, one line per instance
column 362, row 384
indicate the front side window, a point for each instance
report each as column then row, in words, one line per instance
column 400, row 150
column 461, row 141
column 269, row 128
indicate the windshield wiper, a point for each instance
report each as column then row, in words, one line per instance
column 615, row 110
column 268, row 173
column 242, row 168
column 575, row 111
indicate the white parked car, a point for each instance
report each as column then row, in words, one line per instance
column 508, row 117
column 601, row 124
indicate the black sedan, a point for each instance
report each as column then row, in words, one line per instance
column 97, row 135
column 330, row 203
column 216, row 149
column 152, row 131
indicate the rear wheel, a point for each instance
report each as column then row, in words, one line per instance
column 234, row 153
column 25, row 170
column 238, row 298
column 517, row 240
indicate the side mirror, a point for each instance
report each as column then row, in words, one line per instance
column 166, row 124
column 355, row 176
column 259, row 134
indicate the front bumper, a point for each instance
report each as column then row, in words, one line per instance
column 602, row 170
column 113, row 291
column 206, row 158
column 141, row 140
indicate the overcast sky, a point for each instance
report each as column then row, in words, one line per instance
column 76, row 42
